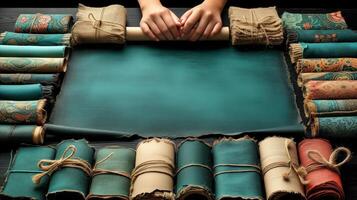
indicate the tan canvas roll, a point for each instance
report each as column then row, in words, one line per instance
column 279, row 161
column 152, row 177
column 99, row 25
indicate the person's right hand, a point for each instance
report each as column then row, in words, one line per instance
column 158, row 22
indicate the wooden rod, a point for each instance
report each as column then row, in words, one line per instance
column 136, row 34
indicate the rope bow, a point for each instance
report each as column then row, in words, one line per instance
column 50, row 166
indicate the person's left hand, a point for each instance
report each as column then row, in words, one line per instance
column 202, row 21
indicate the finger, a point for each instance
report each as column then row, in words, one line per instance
column 156, row 30
column 170, row 23
column 217, row 28
column 176, row 19
column 207, row 31
column 185, row 16
column 163, row 28
column 146, row 29
column 200, row 29
column 192, row 20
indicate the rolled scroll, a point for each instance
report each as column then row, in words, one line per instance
column 322, row 50
column 236, row 169
column 112, row 174
column 334, row 127
column 99, row 25
column 18, row 183
column 10, row 38
column 326, row 65
column 194, row 170
column 17, row 134
column 152, row 177
column 279, row 162
column 330, row 107
column 321, row 36
column 23, row 112
column 34, row 51
column 341, row 89
column 307, row 21
column 43, row 23
column 25, row 92
column 43, row 79
column 255, row 26
column 32, row 65
column 320, row 163
column 70, row 171
column 325, row 76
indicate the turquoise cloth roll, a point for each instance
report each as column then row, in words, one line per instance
column 323, row 50
column 17, row 134
column 334, row 127
column 11, row 38
column 25, row 92
column 322, row 36
column 33, row 51
column 43, row 79
column 237, row 169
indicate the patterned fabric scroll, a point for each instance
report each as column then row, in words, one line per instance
column 341, row 89
column 112, row 174
column 10, row 38
column 25, row 92
column 321, row 36
column 326, row 65
column 72, row 178
column 23, row 167
column 43, row 23
column 23, row 112
column 152, row 177
column 279, row 160
column 194, row 170
column 99, row 25
column 255, row 26
column 330, row 107
column 320, row 163
column 325, row 76
column 334, row 127
column 237, row 170
column 32, row 65
column 33, row 51
column 300, row 21
column 322, row 50
column 43, row 79
column 17, row 134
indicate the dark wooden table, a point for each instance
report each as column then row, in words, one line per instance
column 8, row 17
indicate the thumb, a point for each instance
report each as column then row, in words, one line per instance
column 185, row 16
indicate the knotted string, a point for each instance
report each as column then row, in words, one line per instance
column 321, row 162
column 151, row 167
column 96, row 171
column 260, row 24
column 96, row 24
column 50, row 166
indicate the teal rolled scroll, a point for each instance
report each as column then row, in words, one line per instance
column 236, row 169
column 321, row 36
column 334, row 127
column 25, row 92
column 112, row 174
column 72, row 181
column 33, row 51
column 18, row 183
column 194, row 171
column 43, row 79
column 10, row 38
column 16, row 134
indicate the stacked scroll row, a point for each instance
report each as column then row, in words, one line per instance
column 324, row 53
column 32, row 62
column 230, row 169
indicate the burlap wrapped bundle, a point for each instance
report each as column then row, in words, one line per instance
column 99, row 25
column 255, row 26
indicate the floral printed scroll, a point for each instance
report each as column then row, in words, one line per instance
column 326, row 76
column 326, row 65
column 43, row 23
column 32, row 65
column 344, row 89
column 337, row 127
column 10, row 38
column 330, row 107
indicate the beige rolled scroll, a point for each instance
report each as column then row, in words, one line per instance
column 153, row 175
column 136, row 34
column 280, row 166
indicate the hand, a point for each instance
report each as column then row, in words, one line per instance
column 158, row 22
column 203, row 20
